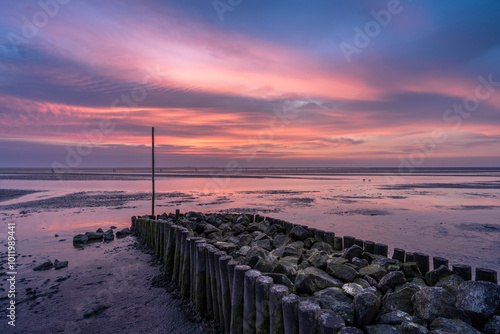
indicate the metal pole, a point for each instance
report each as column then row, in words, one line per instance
column 153, row 168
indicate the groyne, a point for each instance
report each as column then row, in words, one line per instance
column 256, row 274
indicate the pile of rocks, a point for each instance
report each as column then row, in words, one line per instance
column 100, row 235
column 360, row 289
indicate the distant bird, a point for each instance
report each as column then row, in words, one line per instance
column 369, row 180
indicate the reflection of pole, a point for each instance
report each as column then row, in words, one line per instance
column 153, row 168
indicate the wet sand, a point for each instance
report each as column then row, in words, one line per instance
column 117, row 278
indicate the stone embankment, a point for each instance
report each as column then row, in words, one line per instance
column 263, row 275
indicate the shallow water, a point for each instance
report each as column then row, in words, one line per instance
column 450, row 213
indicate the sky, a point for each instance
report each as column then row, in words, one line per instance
column 249, row 83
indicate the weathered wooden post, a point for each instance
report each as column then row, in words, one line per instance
column 153, row 169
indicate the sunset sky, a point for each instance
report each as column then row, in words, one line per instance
column 265, row 83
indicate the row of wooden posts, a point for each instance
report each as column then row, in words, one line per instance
column 244, row 300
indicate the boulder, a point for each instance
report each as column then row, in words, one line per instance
column 453, row 326
column 60, row 264
column 281, row 279
column 44, row 266
column 352, row 289
column 287, row 268
column 342, row 272
column 434, row 276
column 264, row 243
column 209, row 228
column 350, row 330
column 408, row 327
column 330, row 321
column 451, row 283
column 299, row 233
column 227, row 247
column 400, row 300
column 434, row 302
column 336, row 300
column 492, row 326
column 318, row 259
column 123, row 233
column 392, row 279
column 260, row 259
column 480, row 300
column 281, row 240
column 312, row 279
column 411, row 269
column 108, row 235
column 394, row 318
column 366, row 306
column 99, row 230
column 94, row 235
column 373, row 270
column 352, row 252
column 381, row 329
column 80, row 239
column 322, row 246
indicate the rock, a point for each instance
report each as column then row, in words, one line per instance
column 492, row 326
column 60, row 264
column 453, row 326
column 381, row 329
column 322, row 246
column 334, row 299
column 265, row 243
column 94, row 310
column 434, row 276
column 352, row 289
column 94, row 235
column 227, row 247
column 299, row 233
column 451, row 283
column 411, row 269
column 434, row 302
column 108, row 236
column 287, row 268
column 366, row 306
column 281, row 240
column 281, row 279
column 373, row 270
column 342, row 272
column 309, row 242
column 209, row 228
column 387, row 264
column 352, row 252
column 330, row 321
column 350, row 330
column 238, row 229
column 395, row 318
column 480, row 300
column 113, row 227
column 392, row 279
column 123, row 233
column 244, row 240
column 400, row 300
column 361, row 281
column 56, row 235
column 99, row 230
column 260, row 259
column 44, row 266
column 360, row 263
column 312, row 279
column 318, row 259
column 412, row 328
column 80, row 239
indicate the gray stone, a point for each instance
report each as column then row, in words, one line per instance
column 123, row 233
column 44, row 266
column 480, row 300
column 228, row 247
column 352, row 252
column 366, row 306
column 209, row 228
column 352, row 289
column 108, row 235
column 281, row 240
column 329, row 322
column 99, row 230
column 60, row 264
column 374, row 270
column 412, row 328
column 450, row 283
column 313, row 279
column 492, row 326
column 394, row 318
column 299, row 233
column 392, row 279
column 322, row 246
column 280, row 279
column 342, row 272
column 434, row 276
column 264, row 243
column 350, row 330
column 381, row 329
column 329, row 298
column 318, row 259
column 453, row 326
column 400, row 300
column 411, row 269
column 80, row 239
column 287, row 268
column 434, row 302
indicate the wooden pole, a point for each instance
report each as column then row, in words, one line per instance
column 153, row 169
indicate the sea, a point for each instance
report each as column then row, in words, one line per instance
column 447, row 212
